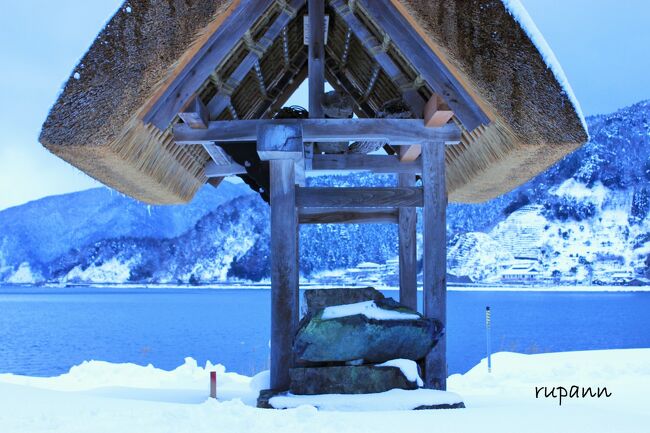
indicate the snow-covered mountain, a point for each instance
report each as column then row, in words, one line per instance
column 585, row 220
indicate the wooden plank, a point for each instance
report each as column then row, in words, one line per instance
column 189, row 80
column 218, row 155
column 347, row 216
column 369, row 163
column 426, row 62
column 218, row 170
column 437, row 112
column 316, row 57
column 221, row 100
column 196, row 115
column 372, row 46
column 284, row 270
column 407, row 241
column 435, row 257
column 395, row 131
column 410, row 153
column 358, row 197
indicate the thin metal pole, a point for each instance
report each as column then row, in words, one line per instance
column 488, row 338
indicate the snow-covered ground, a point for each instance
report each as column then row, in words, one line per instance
column 102, row 397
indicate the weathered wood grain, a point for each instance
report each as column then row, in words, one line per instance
column 370, row 163
column 395, row 131
column 435, row 257
column 316, row 77
column 358, row 197
column 284, row 270
column 407, row 241
column 347, row 216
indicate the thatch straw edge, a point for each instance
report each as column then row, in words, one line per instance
column 495, row 162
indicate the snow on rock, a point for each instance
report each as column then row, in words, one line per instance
column 520, row 14
column 409, row 369
column 395, row 399
column 368, row 309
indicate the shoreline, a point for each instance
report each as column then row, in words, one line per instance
column 307, row 286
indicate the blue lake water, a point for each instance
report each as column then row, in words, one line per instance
column 45, row 331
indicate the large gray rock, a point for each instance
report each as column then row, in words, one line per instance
column 316, row 299
column 347, row 379
column 357, row 337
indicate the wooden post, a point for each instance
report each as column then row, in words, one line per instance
column 316, row 58
column 435, row 257
column 284, row 270
column 408, row 283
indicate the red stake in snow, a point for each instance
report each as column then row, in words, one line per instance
column 213, row 384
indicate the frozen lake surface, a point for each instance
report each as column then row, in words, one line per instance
column 44, row 331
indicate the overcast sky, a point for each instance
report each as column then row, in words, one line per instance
column 603, row 46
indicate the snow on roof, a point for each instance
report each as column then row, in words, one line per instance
column 520, row 14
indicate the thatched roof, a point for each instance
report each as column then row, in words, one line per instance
column 97, row 122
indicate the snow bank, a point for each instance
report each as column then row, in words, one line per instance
column 368, row 309
column 520, row 14
column 148, row 400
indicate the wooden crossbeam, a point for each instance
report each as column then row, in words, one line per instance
column 348, row 216
column 369, row 163
column 221, row 100
column 218, row 155
column 425, row 61
column 184, row 86
column 372, row 46
column 358, row 197
column 394, row 131
column 222, row 170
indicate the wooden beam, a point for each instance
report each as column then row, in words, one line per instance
column 196, row 115
column 347, row 216
column 435, row 258
column 280, row 141
column 410, row 153
column 373, row 47
column 395, row 131
column 407, row 241
column 369, row 163
column 316, row 10
column 221, row 100
column 425, row 62
column 437, row 113
column 284, row 270
column 184, row 86
column 358, row 197
column 218, row 155
column 220, row 170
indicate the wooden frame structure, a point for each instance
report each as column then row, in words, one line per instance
column 288, row 147
column 281, row 142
